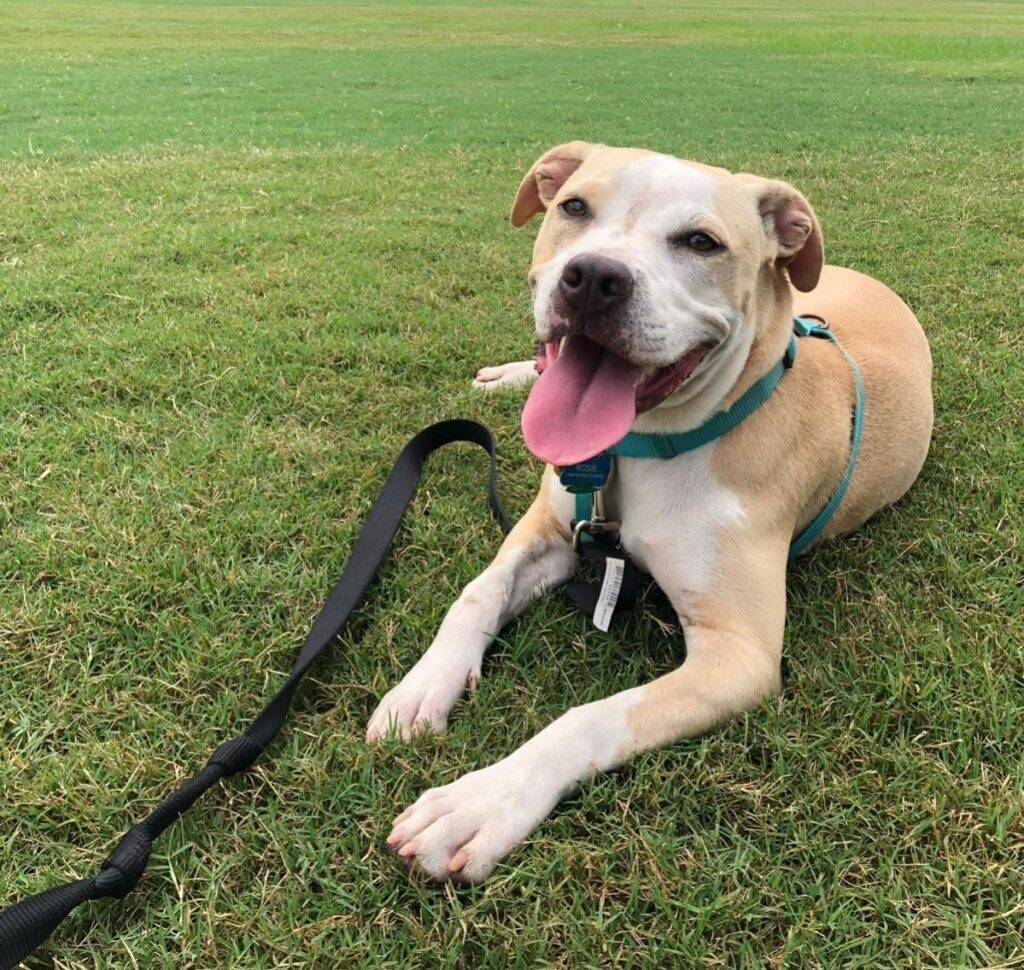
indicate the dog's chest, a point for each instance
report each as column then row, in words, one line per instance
column 673, row 514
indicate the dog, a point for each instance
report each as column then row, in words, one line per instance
column 662, row 290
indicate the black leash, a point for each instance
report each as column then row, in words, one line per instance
column 28, row 924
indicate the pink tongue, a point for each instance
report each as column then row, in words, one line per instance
column 584, row 402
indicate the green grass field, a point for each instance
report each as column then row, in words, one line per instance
column 246, row 250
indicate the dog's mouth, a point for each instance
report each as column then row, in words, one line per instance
column 587, row 397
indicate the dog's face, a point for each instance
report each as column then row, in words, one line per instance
column 659, row 262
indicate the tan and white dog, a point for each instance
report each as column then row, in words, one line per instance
column 663, row 290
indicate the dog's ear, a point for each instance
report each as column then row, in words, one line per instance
column 790, row 221
column 546, row 177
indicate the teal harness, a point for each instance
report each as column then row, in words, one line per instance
column 641, row 445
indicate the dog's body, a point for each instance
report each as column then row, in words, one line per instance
column 698, row 320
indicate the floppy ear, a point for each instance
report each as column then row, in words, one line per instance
column 548, row 175
column 789, row 220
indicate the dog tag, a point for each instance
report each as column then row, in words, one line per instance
column 586, row 476
column 614, row 569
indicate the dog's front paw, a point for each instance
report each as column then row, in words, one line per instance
column 461, row 831
column 424, row 699
column 505, row 375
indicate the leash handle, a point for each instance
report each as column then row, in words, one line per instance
column 29, row 923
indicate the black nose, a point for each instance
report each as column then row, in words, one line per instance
column 593, row 284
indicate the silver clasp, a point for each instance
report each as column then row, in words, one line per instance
column 597, row 524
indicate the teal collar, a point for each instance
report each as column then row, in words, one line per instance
column 637, row 444
column 640, row 445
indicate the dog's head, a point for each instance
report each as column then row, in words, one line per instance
column 649, row 276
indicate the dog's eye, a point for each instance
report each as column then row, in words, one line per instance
column 699, row 242
column 575, row 208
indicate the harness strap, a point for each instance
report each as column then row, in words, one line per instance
column 28, row 924
column 804, row 326
column 647, row 445
column 583, row 505
column 638, row 444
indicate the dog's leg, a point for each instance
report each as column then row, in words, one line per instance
column 536, row 555
column 513, row 374
column 463, row 829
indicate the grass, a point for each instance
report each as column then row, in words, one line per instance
column 247, row 250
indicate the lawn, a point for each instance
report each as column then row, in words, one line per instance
column 246, row 250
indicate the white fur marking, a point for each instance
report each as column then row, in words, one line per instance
column 677, row 304
column 672, row 512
